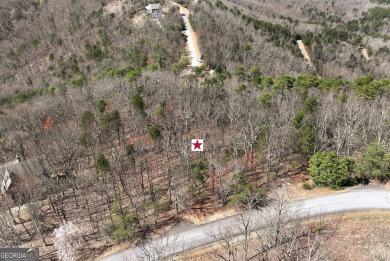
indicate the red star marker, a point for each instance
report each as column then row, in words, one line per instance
column 197, row 145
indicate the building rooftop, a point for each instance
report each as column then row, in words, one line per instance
column 31, row 168
column 153, row 6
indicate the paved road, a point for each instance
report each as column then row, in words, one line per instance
column 365, row 198
column 192, row 41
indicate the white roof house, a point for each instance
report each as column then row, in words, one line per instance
column 154, row 10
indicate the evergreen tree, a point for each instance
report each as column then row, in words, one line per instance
column 375, row 163
column 327, row 170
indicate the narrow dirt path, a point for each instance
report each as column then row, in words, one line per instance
column 192, row 39
column 365, row 54
column 304, row 51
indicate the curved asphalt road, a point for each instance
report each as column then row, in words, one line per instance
column 365, row 198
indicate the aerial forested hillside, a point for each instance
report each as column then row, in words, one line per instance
column 265, row 32
column 107, row 108
column 51, row 45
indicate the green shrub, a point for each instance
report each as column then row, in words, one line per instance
column 86, row 119
column 161, row 110
column 120, row 72
column 78, row 81
column 255, row 74
column 240, row 72
column 327, row 170
column 377, row 13
column 137, row 102
column 94, row 51
column 329, row 83
column 122, row 225
column 130, row 153
column 181, row 65
column 221, row 5
column 310, row 104
column 307, row 81
column 48, row 89
column 363, row 80
column 307, row 140
column 84, row 139
column 199, row 70
column 110, row 120
column 266, row 82
column 133, row 74
column 129, row 150
column 265, row 99
column 297, row 121
column 24, row 96
column 235, row 11
column 154, row 133
column 283, row 82
column 306, row 186
column 101, row 106
column 200, row 172
column 371, row 89
column 245, row 194
column 102, row 164
column 2, row 140
column 19, row 97
column 335, row 35
column 375, row 163
column 241, row 88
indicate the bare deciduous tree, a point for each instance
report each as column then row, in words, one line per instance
column 379, row 246
column 281, row 231
column 67, row 240
column 154, row 250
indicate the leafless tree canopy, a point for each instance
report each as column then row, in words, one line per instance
column 67, row 239
column 101, row 109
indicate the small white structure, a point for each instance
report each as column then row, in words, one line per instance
column 5, row 175
column 6, row 182
column 154, row 10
